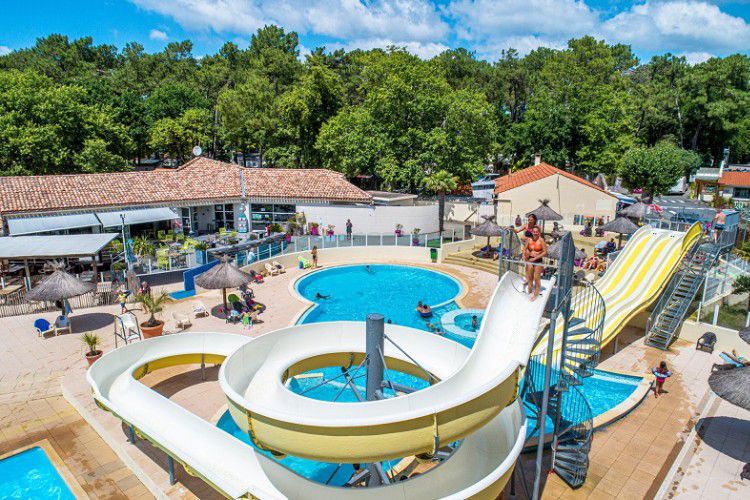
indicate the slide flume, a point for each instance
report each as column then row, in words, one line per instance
column 474, row 400
column 635, row 279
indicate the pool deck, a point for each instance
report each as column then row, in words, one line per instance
column 630, row 458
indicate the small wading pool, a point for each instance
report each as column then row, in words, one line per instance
column 459, row 322
column 31, row 475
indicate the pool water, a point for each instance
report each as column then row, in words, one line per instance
column 354, row 291
column 603, row 391
column 464, row 322
column 339, row 390
column 321, row 472
column 31, row 475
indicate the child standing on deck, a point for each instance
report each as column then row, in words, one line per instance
column 661, row 373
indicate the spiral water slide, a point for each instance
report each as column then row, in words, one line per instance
column 472, row 398
column 635, row 279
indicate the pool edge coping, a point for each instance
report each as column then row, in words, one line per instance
column 57, row 462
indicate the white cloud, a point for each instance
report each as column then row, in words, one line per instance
column 678, row 26
column 5, row 50
column 696, row 57
column 343, row 19
column 157, row 35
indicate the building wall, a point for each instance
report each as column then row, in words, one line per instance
column 567, row 197
column 373, row 219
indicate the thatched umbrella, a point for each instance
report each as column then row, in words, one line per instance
column 222, row 276
column 59, row 286
column 637, row 210
column 745, row 335
column 553, row 251
column 621, row 225
column 544, row 213
column 732, row 385
column 488, row 228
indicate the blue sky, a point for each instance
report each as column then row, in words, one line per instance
column 697, row 29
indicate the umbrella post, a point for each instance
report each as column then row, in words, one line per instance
column 619, row 242
column 224, row 299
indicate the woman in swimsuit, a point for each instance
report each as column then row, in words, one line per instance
column 527, row 228
column 534, row 251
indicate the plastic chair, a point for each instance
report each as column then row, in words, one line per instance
column 43, row 327
column 199, row 309
column 129, row 329
column 62, row 324
column 706, row 342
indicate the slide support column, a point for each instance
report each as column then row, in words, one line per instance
column 374, row 346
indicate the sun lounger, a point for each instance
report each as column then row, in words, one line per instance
column 199, row 310
column 272, row 270
column 181, row 320
column 278, row 266
column 43, row 327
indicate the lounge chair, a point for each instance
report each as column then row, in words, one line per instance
column 731, row 362
column 278, row 266
column 129, row 330
column 272, row 270
column 706, row 342
column 62, row 324
column 199, row 310
column 43, row 327
column 181, row 320
column 232, row 298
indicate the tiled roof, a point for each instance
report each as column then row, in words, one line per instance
column 735, row 178
column 196, row 180
column 535, row 173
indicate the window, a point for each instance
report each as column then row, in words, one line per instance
column 224, row 216
column 743, row 193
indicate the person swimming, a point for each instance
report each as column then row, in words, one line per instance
column 367, row 267
column 424, row 310
column 319, row 295
column 474, row 322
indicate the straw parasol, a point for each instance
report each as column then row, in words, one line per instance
column 488, row 228
column 553, row 251
column 544, row 213
column 59, row 286
column 621, row 225
column 637, row 210
column 745, row 335
column 732, row 385
column 222, row 276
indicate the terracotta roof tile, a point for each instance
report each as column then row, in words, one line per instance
column 197, row 180
column 535, row 173
column 735, row 178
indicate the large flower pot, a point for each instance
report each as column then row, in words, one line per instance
column 93, row 357
column 152, row 331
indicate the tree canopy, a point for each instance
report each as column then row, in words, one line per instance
column 73, row 106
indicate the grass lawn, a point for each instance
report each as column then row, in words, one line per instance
column 729, row 316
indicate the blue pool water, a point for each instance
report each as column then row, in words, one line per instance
column 31, row 475
column 393, row 291
column 322, row 472
column 339, row 390
column 463, row 321
column 182, row 294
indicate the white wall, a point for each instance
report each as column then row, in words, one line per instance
column 375, row 219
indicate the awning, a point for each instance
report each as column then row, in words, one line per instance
column 623, row 198
column 139, row 216
column 43, row 224
column 54, row 246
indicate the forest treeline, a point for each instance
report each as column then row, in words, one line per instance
column 69, row 106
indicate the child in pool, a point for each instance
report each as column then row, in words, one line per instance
column 661, row 373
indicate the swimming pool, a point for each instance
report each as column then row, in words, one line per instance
column 352, row 292
column 321, row 472
column 31, row 475
column 461, row 322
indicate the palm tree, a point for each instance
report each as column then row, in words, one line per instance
column 440, row 182
column 742, row 285
column 153, row 305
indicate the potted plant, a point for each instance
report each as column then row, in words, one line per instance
column 92, row 342
column 314, row 228
column 415, row 236
column 329, row 231
column 200, row 252
column 152, row 305
column 399, row 229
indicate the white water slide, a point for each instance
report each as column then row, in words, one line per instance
column 474, row 400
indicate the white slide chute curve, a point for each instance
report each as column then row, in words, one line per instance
column 474, row 401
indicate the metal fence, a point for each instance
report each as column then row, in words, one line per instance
column 14, row 304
